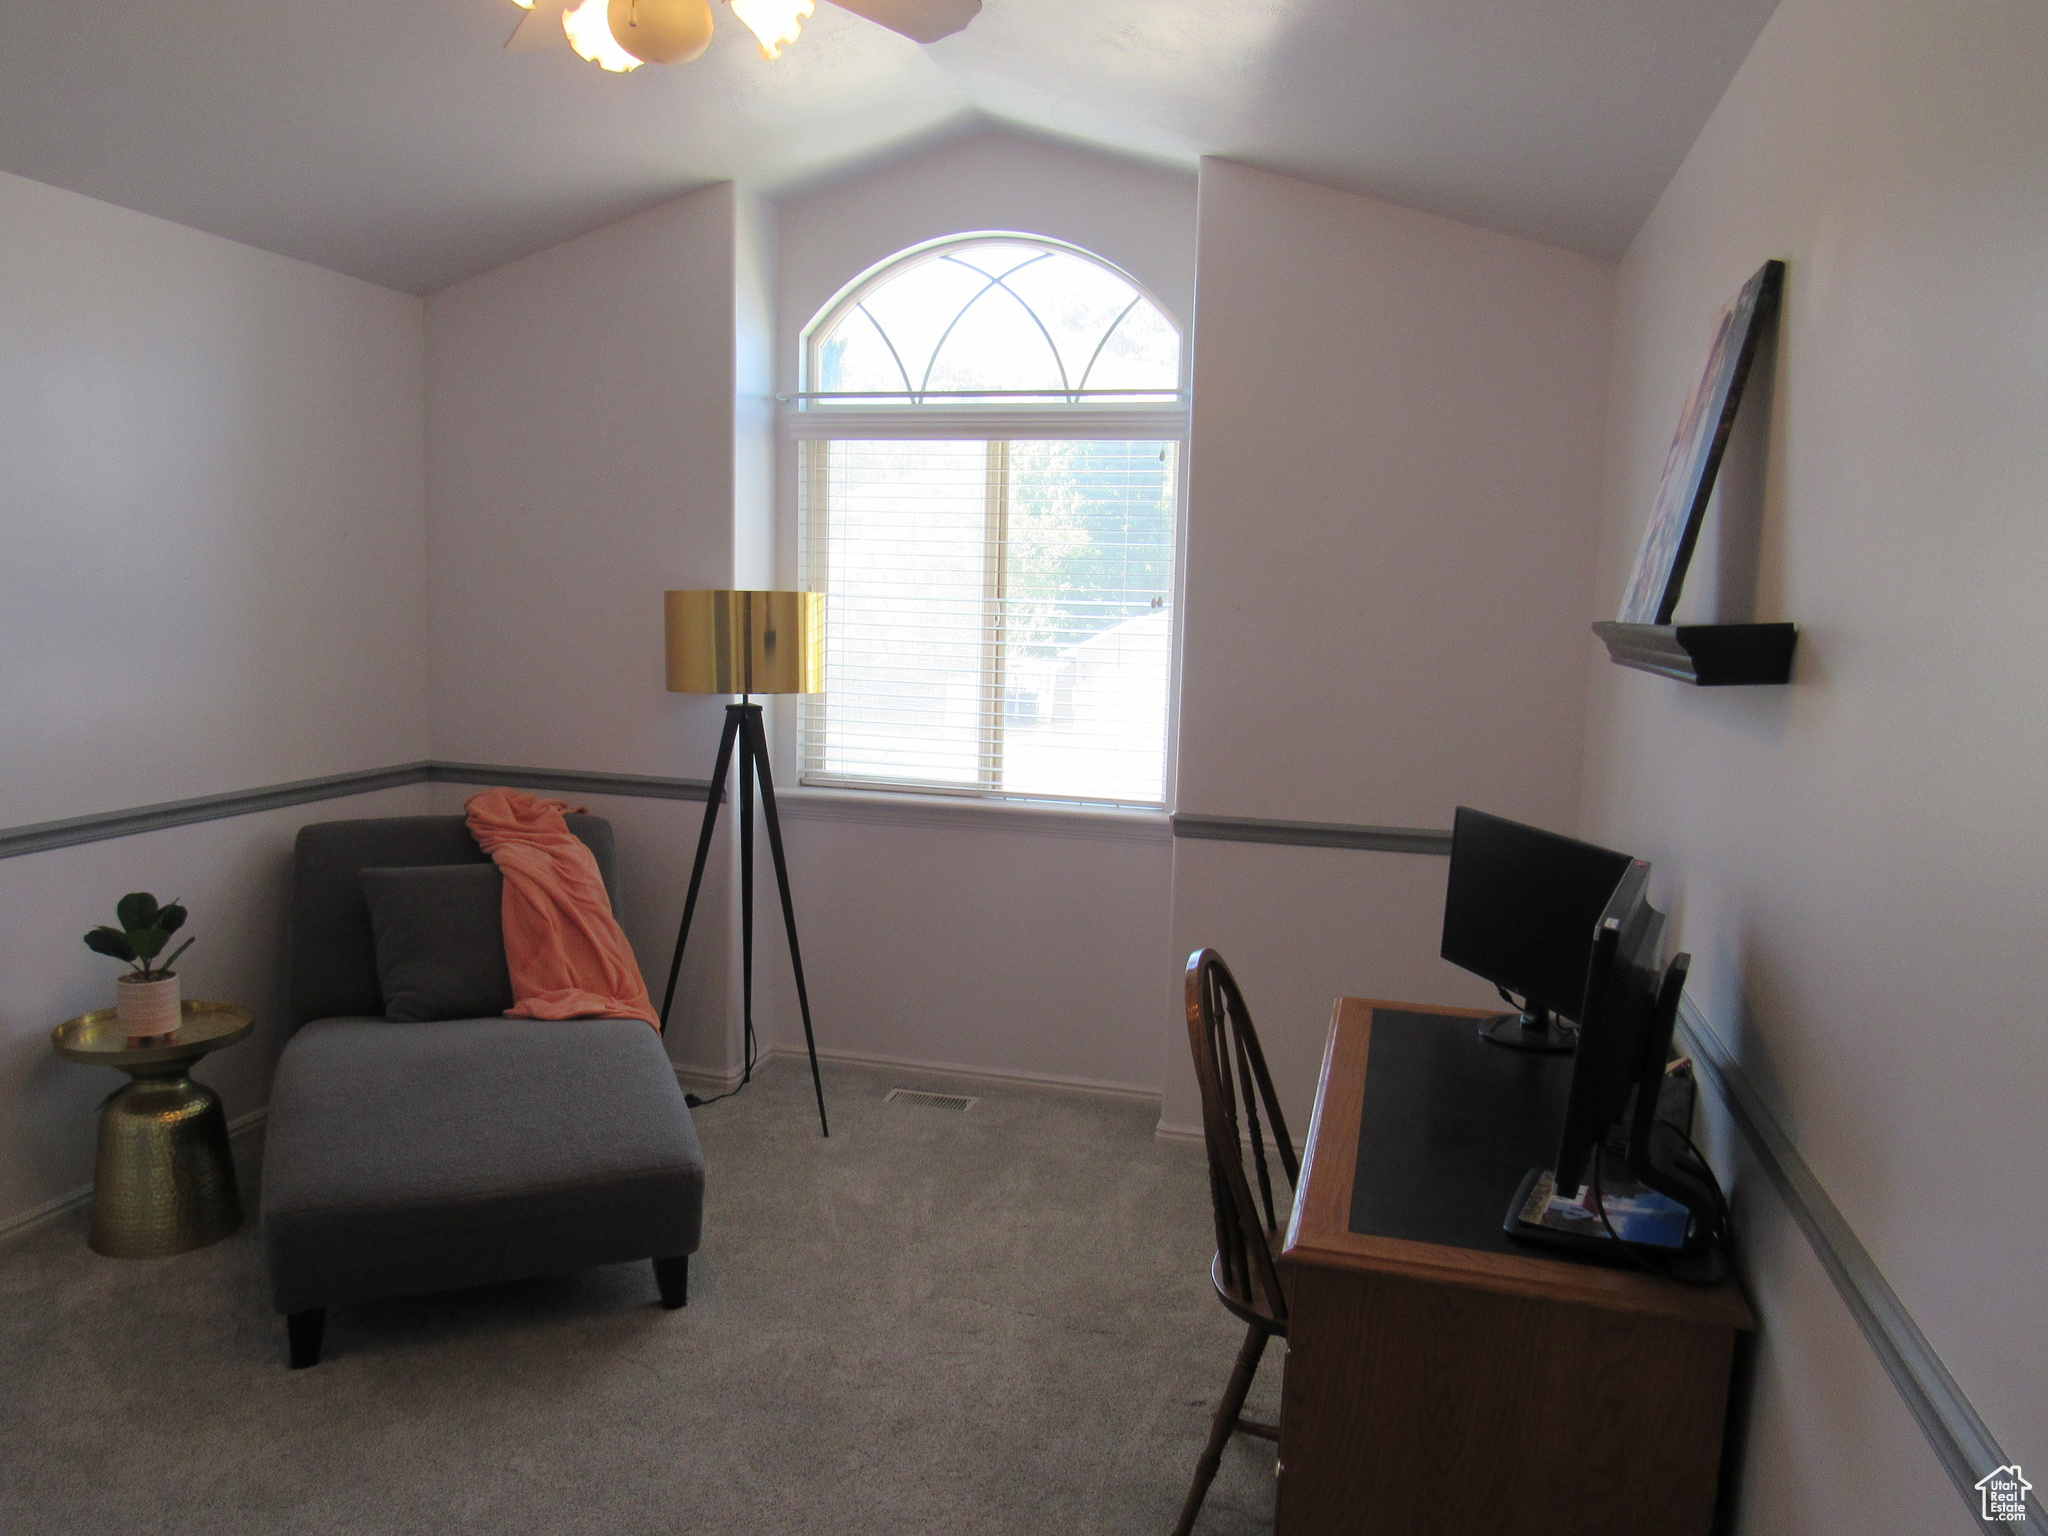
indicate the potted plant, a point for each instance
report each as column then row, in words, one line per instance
column 146, row 999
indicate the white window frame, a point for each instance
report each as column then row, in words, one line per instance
column 810, row 416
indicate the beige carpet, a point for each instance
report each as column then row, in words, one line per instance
column 996, row 1321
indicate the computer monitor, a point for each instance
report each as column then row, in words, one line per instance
column 1616, row 1024
column 1653, row 1194
column 1671, row 1165
column 1520, row 911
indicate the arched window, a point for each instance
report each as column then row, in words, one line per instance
column 989, row 437
column 995, row 319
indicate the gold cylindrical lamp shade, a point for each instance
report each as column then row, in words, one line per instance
column 746, row 642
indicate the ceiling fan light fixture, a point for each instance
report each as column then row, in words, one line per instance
column 588, row 23
column 775, row 22
column 661, row 31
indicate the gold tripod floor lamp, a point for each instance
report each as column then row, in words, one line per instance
column 746, row 643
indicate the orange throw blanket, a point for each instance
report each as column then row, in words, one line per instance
column 568, row 956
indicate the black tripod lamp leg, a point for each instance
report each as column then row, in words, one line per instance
column 749, row 758
column 796, row 957
column 675, row 966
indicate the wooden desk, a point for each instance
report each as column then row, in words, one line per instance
column 1442, row 1378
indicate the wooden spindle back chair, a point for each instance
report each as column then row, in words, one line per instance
column 1239, row 1107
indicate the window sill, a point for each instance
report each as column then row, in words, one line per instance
column 884, row 808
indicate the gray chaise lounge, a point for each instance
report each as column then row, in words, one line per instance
column 407, row 1158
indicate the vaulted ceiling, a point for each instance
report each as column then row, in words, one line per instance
column 397, row 140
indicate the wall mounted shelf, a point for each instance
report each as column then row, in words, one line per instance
column 1710, row 655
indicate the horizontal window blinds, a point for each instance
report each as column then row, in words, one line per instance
column 998, row 615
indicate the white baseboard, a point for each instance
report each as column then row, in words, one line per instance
column 1180, row 1132
column 41, row 1215
column 987, row 1074
column 706, row 1084
column 62, row 1205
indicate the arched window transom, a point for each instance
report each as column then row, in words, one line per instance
column 996, row 319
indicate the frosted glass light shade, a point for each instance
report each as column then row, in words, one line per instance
column 775, row 22
column 662, row 31
column 588, row 23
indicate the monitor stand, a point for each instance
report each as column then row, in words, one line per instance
column 1533, row 1029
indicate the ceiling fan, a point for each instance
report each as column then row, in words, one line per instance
column 622, row 35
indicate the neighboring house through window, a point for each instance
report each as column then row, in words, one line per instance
column 990, row 435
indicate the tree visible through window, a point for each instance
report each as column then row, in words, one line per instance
column 994, row 537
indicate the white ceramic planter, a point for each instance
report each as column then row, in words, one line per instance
column 147, row 1007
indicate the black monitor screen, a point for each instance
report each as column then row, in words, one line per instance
column 1522, row 907
column 1618, row 1047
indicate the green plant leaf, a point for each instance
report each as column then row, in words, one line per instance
column 136, row 910
column 172, row 958
column 149, row 942
column 171, row 918
column 112, row 942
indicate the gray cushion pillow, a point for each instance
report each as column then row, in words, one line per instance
column 440, row 935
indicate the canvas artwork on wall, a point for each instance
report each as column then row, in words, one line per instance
column 1696, row 449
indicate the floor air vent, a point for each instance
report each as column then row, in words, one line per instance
column 953, row 1101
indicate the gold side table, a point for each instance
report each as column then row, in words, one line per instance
column 164, row 1181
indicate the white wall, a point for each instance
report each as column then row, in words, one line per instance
column 1009, row 944
column 1391, row 528
column 213, row 515
column 964, row 937
column 580, row 417
column 755, row 438
column 1392, row 515
column 585, row 457
column 1859, row 863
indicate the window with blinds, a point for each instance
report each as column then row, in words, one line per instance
column 994, row 533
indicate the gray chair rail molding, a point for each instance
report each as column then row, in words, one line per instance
column 1312, row 834
column 35, row 837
